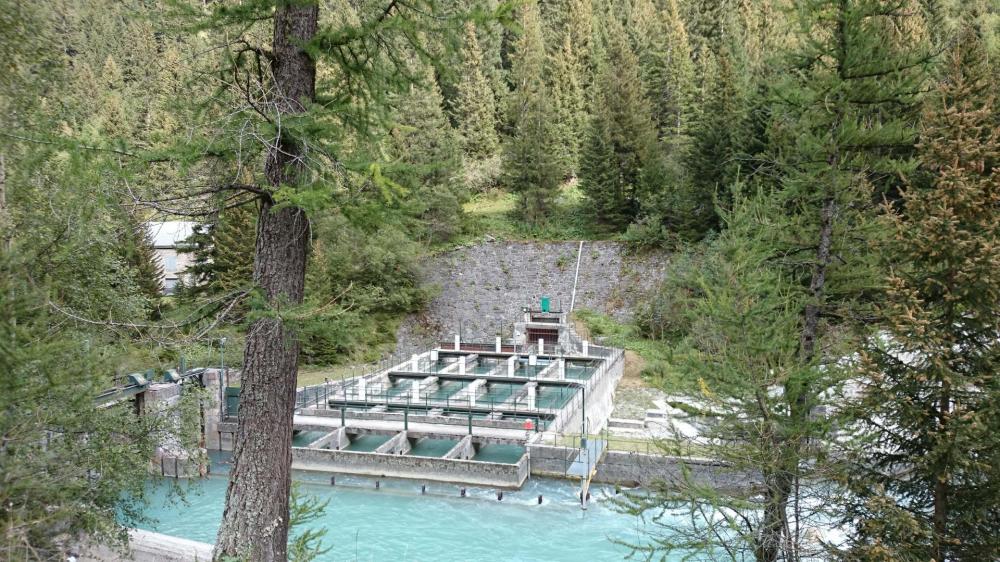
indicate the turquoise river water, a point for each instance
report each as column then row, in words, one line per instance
column 398, row 523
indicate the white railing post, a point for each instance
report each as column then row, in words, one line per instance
column 498, row 344
column 461, row 365
column 458, row 342
column 541, row 345
column 586, row 347
column 511, row 362
column 414, row 363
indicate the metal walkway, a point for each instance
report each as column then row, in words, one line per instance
column 586, row 461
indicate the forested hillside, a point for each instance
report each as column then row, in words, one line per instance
column 822, row 172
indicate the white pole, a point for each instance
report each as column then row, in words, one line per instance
column 414, row 363
column 541, row 345
column 498, row 344
column 531, row 397
column 511, row 361
column 458, row 342
column 532, row 360
column 461, row 365
column 586, row 347
column 416, row 390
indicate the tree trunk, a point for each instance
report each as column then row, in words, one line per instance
column 775, row 529
column 255, row 521
column 941, row 484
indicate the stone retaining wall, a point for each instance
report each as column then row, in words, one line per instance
column 480, row 289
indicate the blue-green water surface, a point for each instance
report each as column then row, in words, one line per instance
column 398, row 523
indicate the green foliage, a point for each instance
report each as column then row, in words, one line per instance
column 531, row 163
column 930, row 387
column 427, row 162
column 621, row 136
column 305, row 545
column 475, row 108
column 69, row 468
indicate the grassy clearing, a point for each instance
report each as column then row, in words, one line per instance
column 658, row 365
column 495, row 214
column 316, row 374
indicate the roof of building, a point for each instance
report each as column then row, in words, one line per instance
column 169, row 234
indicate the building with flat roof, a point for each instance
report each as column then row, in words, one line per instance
column 168, row 238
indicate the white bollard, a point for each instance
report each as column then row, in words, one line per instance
column 498, row 344
column 458, row 342
column 586, row 347
column 511, row 362
column 461, row 365
column 532, row 360
column 415, row 363
column 541, row 345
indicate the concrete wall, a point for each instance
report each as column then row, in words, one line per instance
column 474, row 473
column 630, row 469
column 147, row 546
column 414, row 418
column 483, row 287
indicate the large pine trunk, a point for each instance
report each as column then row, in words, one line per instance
column 255, row 521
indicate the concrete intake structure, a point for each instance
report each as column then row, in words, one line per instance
column 463, row 412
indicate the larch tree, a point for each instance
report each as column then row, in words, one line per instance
column 531, row 164
column 774, row 324
column 298, row 118
column 925, row 471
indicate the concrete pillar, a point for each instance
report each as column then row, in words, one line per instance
column 541, row 345
column 562, row 369
column 586, row 347
column 532, row 389
column 415, row 363
column 511, row 364
column 461, row 365
column 415, row 393
column 498, row 345
column 458, row 342
column 434, row 355
column 532, row 360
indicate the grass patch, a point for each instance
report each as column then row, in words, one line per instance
column 661, row 360
column 495, row 213
column 317, row 374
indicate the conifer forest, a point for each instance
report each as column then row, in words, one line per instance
column 818, row 179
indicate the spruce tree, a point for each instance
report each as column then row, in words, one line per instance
column 570, row 107
column 531, row 165
column 671, row 78
column 475, row 109
column 621, row 136
column 138, row 252
column 427, row 159
column 926, row 470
